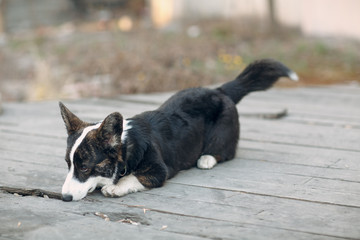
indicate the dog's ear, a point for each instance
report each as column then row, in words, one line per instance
column 72, row 122
column 111, row 129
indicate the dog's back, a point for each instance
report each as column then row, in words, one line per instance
column 204, row 122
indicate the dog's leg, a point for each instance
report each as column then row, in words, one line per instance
column 151, row 173
column 206, row 162
column 221, row 139
column 126, row 185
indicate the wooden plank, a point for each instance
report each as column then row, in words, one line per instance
column 332, row 91
column 240, row 208
column 233, row 207
column 303, row 155
column 178, row 226
column 275, row 184
column 342, row 112
column 311, row 120
column 345, row 107
column 46, row 146
column 299, row 134
column 254, row 207
column 333, row 159
column 18, row 137
column 297, row 177
column 27, row 156
column 353, row 88
column 263, row 166
column 60, row 220
column 42, row 119
column 309, row 94
column 30, row 175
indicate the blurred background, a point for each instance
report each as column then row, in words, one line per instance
column 70, row 49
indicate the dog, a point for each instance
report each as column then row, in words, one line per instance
column 195, row 127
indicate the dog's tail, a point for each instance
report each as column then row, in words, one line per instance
column 259, row 75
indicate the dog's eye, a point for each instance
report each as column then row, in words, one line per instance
column 84, row 169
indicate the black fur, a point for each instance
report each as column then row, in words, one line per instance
column 260, row 75
column 192, row 123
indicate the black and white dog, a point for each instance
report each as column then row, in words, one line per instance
column 196, row 126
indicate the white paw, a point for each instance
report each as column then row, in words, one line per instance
column 206, row 162
column 127, row 184
column 108, row 190
column 112, row 191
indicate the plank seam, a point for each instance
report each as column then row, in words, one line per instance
column 269, row 195
column 243, row 223
column 300, row 145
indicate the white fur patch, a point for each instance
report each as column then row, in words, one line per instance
column 126, row 127
column 293, row 76
column 79, row 190
column 73, row 186
column 126, row 185
column 206, row 162
column 81, row 138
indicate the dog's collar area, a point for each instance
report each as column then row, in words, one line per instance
column 123, row 172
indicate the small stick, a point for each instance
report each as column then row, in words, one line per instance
column 31, row 192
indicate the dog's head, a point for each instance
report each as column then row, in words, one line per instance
column 93, row 154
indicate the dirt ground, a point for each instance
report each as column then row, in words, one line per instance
column 98, row 60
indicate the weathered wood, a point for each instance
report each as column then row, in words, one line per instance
column 164, row 225
column 279, row 185
column 295, row 177
column 299, row 155
column 300, row 134
column 250, row 208
column 29, row 175
column 74, row 221
column 247, row 209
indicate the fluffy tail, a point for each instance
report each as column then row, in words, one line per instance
column 259, row 75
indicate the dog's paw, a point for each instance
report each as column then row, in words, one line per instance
column 127, row 184
column 112, row 191
column 206, row 162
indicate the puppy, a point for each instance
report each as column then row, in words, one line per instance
column 196, row 126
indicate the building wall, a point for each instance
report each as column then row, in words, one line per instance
column 336, row 18
column 289, row 12
column 165, row 11
column 223, row 8
column 331, row 18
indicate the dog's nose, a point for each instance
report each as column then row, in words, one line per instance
column 67, row 197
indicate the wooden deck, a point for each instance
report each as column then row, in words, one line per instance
column 297, row 177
